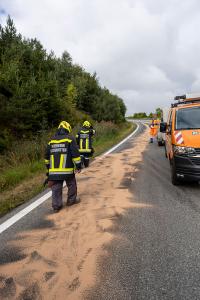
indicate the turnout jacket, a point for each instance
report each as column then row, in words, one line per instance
column 62, row 156
column 84, row 140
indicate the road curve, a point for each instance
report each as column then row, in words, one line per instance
column 156, row 253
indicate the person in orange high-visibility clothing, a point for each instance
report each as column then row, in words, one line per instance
column 152, row 131
column 154, row 126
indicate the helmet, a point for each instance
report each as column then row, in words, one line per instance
column 65, row 125
column 86, row 124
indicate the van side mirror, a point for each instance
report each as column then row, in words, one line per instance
column 163, row 127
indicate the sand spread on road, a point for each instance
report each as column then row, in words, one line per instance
column 60, row 262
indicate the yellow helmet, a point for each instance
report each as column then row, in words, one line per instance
column 86, row 124
column 65, row 125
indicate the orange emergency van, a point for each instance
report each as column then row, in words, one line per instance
column 182, row 143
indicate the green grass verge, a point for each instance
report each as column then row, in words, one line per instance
column 20, row 194
column 22, row 181
column 105, row 142
column 15, row 175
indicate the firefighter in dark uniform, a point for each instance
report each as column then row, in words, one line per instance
column 84, row 141
column 63, row 160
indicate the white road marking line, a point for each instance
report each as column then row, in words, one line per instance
column 45, row 197
column 24, row 212
column 122, row 142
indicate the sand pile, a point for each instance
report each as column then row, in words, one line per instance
column 60, row 261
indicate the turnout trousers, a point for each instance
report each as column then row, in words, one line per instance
column 57, row 187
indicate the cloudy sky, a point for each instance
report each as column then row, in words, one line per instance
column 146, row 51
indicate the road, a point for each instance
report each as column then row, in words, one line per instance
column 135, row 236
column 157, row 252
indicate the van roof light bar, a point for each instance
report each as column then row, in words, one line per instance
column 183, row 97
column 185, row 100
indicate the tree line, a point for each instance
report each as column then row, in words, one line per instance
column 144, row 115
column 38, row 89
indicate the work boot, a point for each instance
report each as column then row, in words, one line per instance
column 78, row 200
column 56, row 210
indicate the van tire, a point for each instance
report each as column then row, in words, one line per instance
column 174, row 178
column 159, row 143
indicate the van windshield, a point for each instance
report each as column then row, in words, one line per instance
column 188, row 118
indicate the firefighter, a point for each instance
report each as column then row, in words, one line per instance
column 63, row 161
column 84, row 141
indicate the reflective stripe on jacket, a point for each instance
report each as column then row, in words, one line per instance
column 84, row 140
column 62, row 157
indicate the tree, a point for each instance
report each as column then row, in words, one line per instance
column 151, row 115
column 158, row 112
column 71, row 95
column 140, row 115
column 38, row 88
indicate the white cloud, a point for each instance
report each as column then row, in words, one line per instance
column 144, row 50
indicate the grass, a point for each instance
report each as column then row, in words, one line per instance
column 23, row 170
column 21, row 193
column 104, row 142
column 15, row 175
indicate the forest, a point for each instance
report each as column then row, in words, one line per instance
column 38, row 89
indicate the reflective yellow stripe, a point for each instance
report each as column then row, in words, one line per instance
column 51, row 161
column 46, row 161
column 61, row 169
column 87, row 143
column 81, row 144
column 60, row 141
column 76, row 158
column 83, row 131
column 61, row 161
column 84, row 150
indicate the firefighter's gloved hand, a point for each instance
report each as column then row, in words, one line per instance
column 78, row 171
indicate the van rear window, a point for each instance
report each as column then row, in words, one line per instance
column 188, row 118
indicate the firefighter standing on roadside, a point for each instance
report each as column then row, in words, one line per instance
column 63, row 161
column 84, row 141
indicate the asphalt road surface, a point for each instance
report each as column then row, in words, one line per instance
column 36, row 219
column 156, row 253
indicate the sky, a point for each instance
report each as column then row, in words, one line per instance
column 145, row 51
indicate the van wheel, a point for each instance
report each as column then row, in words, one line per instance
column 174, row 178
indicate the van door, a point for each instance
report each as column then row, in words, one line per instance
column 169, row 135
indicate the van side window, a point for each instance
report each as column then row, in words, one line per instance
column 169, row 121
